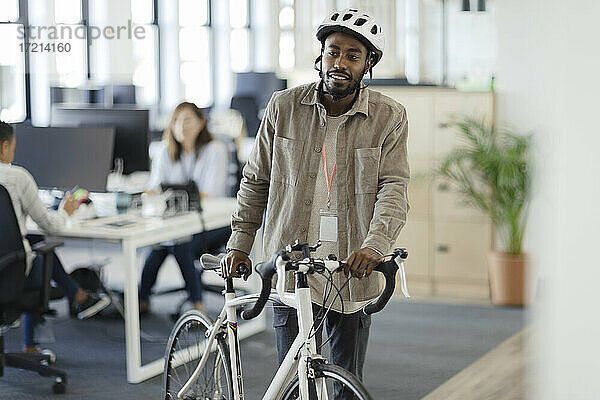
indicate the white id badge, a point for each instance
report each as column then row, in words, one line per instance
column 328, row 226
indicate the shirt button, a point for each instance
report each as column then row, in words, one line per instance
column 322, row 123
column 317, row 149
column 313, row 175
column 303, row 229
column 308, row 202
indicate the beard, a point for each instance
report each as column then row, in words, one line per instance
column 339, row 93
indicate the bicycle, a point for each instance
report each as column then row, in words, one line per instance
column 304, row 372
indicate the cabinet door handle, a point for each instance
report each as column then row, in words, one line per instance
column 444, row 125
column 443, row 187
column 442, row 248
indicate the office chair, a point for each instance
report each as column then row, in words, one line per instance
column 16, row 300
column 234, row 169
column 248, row 107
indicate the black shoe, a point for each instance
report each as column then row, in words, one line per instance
column 91, row 306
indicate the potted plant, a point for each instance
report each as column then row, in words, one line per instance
column 490, row 168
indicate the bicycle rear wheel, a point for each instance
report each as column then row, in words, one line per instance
column 338, row 384
column 185, row 348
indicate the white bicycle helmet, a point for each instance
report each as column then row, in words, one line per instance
column 355, row 23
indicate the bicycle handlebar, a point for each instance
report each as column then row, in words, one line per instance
column 267, row 269
column 388, row 269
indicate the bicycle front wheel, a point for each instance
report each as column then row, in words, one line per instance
column 185, row 348
column 330, row 382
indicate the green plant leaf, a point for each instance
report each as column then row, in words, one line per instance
column 490, row 168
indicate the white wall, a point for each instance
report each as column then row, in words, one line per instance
column 548, row 65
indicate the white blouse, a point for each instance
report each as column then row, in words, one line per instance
column 23, row 193
column 209, row 169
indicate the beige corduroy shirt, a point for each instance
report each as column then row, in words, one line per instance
column 372, row 176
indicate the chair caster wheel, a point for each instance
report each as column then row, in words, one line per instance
column 59, row 386
column 50, row 354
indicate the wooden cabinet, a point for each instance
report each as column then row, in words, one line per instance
column 448, row 240
column 415, row 237
column 447, row 202
column 460, row 250
column 451, row 105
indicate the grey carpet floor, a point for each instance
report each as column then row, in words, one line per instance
column 414, row 348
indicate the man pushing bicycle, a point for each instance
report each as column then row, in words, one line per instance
column 329, row 163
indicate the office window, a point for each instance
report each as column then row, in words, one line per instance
column 71, row 66
column 12, row 64
column 239, row 39
column 9, row 12
column 12, row 74
column 145, row 75
column 145, row 52
column 195, row 51
column 194, row 12
column 67, row 12
column 142, row 12
column 287, row 43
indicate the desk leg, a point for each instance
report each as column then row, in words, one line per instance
column 132, row 319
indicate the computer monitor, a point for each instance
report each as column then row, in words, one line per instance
column 65, row 95
column 132, row 136
column 65, row 157
column 123, row 94
column 260, row 85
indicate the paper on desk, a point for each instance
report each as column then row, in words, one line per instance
column 115, row 222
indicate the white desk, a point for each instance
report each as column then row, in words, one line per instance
column 150, row 231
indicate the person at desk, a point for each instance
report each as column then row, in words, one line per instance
column 23, row 192
column 189, row 154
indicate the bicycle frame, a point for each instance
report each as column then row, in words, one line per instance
column 302, row 358
column 304, row 343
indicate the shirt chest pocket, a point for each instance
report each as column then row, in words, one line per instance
column 287, row 159
column 366, row 168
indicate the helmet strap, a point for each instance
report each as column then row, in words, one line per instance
column 319, row 67
column 364, row 85
column 318, row 62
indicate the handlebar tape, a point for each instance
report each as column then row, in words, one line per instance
column 266, row 271
column 388, row 269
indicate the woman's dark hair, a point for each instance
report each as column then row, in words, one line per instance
column 6, row 132
column 173, row 146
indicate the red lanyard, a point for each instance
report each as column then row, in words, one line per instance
column 328, row 179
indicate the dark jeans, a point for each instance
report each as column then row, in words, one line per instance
column 348, row 344
column 34, row 281
column 185, row 254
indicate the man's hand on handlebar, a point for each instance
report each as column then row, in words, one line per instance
column 231, row 261
column 361, row 262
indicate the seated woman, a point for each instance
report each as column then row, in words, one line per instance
column 23, row 192
column 190, row 154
